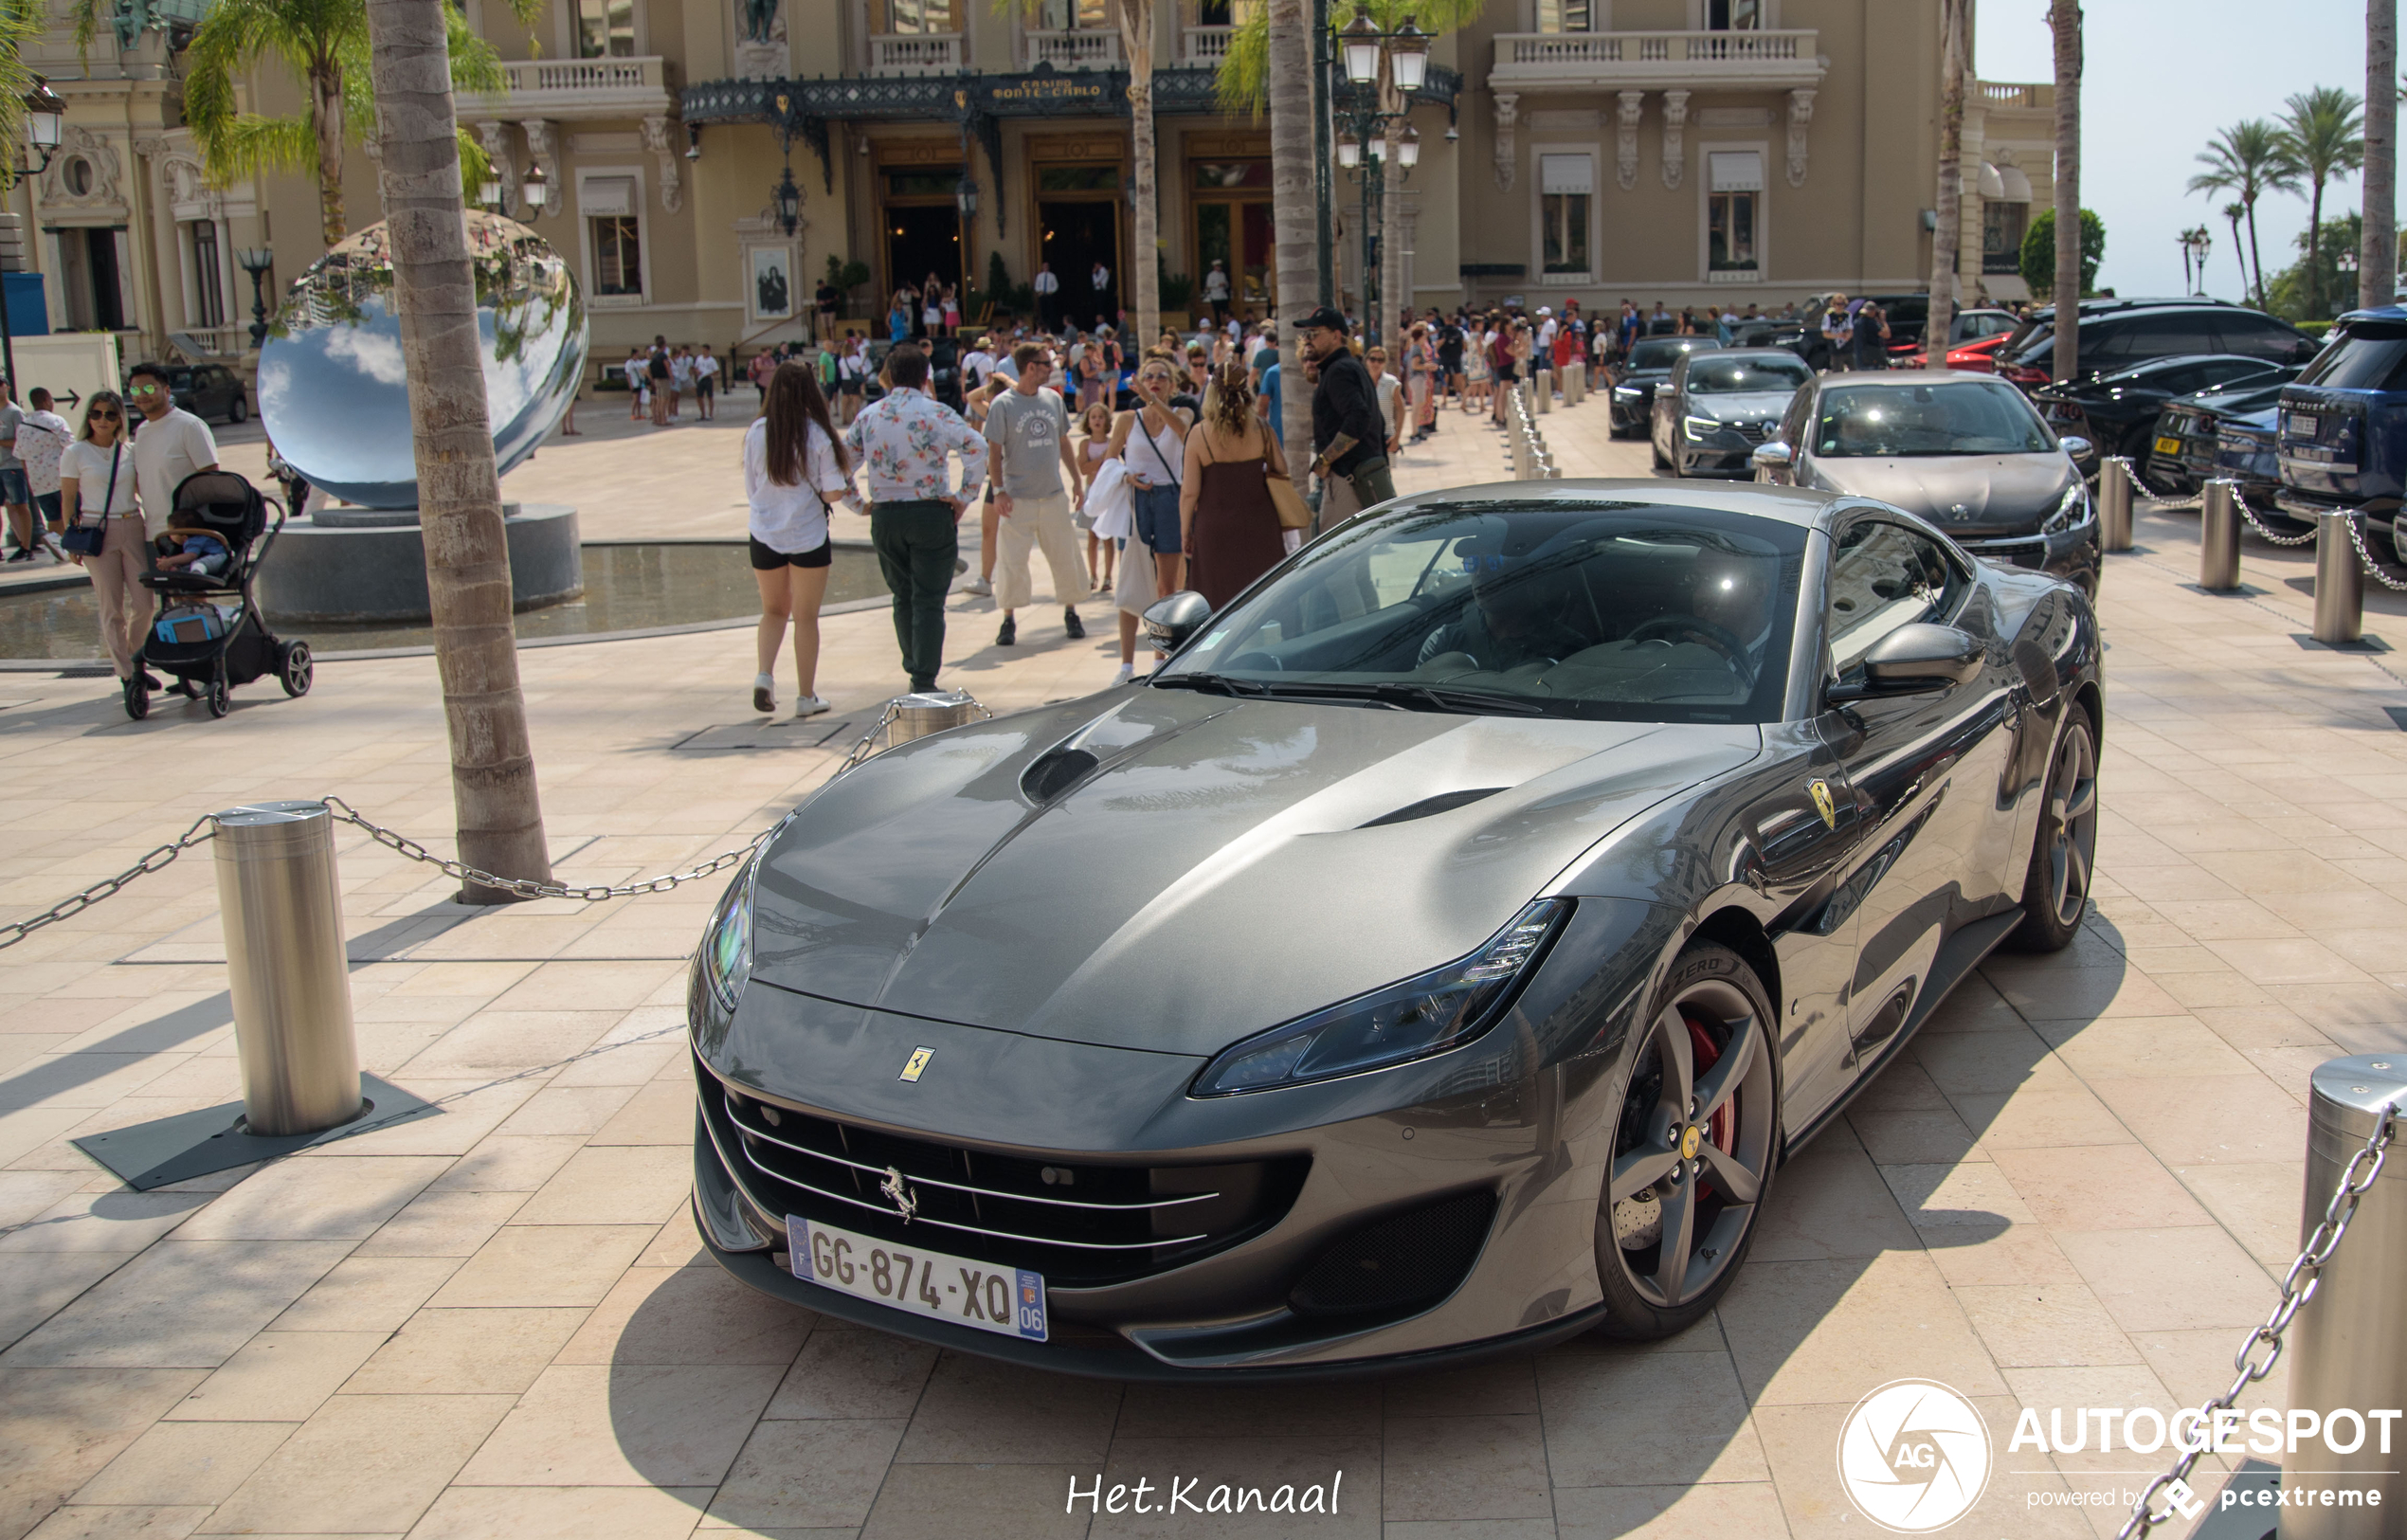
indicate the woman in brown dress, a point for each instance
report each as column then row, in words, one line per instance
column 1227, row 522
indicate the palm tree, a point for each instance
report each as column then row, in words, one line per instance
column 22, row 23
column 2322, row 133
column 2250, row 159
column 2235, row 212
column 493, row 785
column 1948, row 231
column 2378, row 254
column 324, row 42
column 1287, row 65
column 2064, row 20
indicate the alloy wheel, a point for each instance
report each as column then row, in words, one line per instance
column 2072, row 823
column 1694, row 1144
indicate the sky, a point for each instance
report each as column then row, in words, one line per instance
column 2159, row 80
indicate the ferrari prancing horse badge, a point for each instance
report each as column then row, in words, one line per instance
column 1823, row 804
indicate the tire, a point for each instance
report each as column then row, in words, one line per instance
column 2064, row 848
column 219, row 695
column 1655, row 452
column 1701, row 1157
column 239, row 411
column 137, row 699
column 294, row 668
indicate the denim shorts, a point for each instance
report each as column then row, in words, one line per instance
column 14, row 488
column 1157, row 517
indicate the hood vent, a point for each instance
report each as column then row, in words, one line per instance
column 1055, row 773
column 1445, row 801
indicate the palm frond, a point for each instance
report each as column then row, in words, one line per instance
column 248, row 143
column 21, row 23
column 1243, row 83
column 474, row 64
column 474, row 166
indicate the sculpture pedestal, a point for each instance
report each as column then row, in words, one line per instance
column 369, row 564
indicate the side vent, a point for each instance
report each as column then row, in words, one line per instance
column 1445, row 801
column 1055, row 773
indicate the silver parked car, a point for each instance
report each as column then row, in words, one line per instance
column 1717, row 406
column 1440, row 955
column 1967, row 452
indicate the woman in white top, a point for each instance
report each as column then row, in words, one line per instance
column 1094, row 447
column 1151, row 441
column 96, row 486
column 794, row 469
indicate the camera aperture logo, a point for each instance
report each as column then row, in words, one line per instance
column 1914, row 1455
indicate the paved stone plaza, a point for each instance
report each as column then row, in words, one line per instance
column 2077, row 1190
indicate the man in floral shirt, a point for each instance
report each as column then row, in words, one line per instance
column 41, row 438
column 903, row 440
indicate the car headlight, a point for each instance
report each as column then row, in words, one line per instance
column 726, row 958
column 2072, row 513
column 1698, row 427
column 1427, row 1014
column 1625, row 393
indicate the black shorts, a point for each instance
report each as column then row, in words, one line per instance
column 766, row 560
column 703, row 386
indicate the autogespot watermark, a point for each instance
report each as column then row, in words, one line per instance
column 1187, row 1495
column 1914, row 1455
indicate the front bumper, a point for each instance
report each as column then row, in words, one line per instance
column 2305, row 506
column 1728, row 452
column 2071, row 554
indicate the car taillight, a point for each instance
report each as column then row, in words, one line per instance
column 2024, row 374
column 1972, row 358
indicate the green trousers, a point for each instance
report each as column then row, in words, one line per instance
column 918, row 544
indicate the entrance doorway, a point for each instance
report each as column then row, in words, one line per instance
column 923, row 230
column 95, row 301
column 1078, row 224
column 1232, row 211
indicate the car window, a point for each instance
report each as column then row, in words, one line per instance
column 1882, row 576
column 1662, row 352
column 2180, row 380
column 2367, row 357
column 1796, row 426
column 1724, row 376
column 1970, row 417
column 1977, row 327
column 2261, row 337
column 1602, row 610
column 2222, row 370
column 2168, row 336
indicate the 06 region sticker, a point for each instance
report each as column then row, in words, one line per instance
column 1914, row 1455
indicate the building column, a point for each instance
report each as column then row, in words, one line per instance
column 1508, row 153
column 1676, row 116
column 657, row 140
column 1633, row 107
column 1800, row 111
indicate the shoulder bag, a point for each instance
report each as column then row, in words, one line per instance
column 91, row 539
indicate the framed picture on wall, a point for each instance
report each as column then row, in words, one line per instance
column 773, row 294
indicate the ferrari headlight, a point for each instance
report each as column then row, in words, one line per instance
column 726, row 958
column 1428, row 1014
column 2072, row 513
column 1699, row 428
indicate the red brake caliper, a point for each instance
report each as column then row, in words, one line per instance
column 1704, row 1054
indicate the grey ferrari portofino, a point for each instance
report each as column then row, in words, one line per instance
column 1439, row 955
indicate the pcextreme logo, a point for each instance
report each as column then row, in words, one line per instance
column 1913, row 1455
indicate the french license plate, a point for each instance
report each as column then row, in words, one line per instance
column 2169, row 446
column 2304, row 425
column 1006, row 1300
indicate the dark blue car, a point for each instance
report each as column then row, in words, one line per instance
column 2342, row 430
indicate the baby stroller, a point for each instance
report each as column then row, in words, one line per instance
column 198, row 635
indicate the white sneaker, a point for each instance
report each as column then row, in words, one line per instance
column 808, row 706
column 1126, row 675
column 765, row 692
column 980, row 587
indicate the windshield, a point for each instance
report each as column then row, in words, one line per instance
column 1972, row 417
column 2368, row 356
column 1663, row 351
column 1726, row 376
column 1617, row 611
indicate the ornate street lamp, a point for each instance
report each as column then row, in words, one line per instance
column 535, row 188
column 1360, row 40
column 489, row 192
column 1408, row 148
column 256, row 260
column 965, row 198
column 1349, row 149
column 46, row 116
column 1408, row 56
column 789, row 202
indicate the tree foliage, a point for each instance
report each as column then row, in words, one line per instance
column 2039, row 252
column 2323, row 135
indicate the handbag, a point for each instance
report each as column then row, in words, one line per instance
column 1294, row 513
column 90, row 540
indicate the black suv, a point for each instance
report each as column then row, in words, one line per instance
column 2344, row 422
column 209, row 390
column 2117, row 333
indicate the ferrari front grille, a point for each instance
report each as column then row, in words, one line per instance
column 1079, row 1223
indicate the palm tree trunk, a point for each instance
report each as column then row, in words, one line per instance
column 2378, row 255
column 326, row 121
column 1136, row 34
column 2239, row 251
column 1293, row 216
column 2064, row 16
column 1948, row 239
column 2255, row 256
column 2315, row 251
column 493, row 783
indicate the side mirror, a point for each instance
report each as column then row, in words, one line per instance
column 1772, row 455
column 1912, row 660
column 1169, row 622
column 2078, row 447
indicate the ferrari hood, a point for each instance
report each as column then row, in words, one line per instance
column 1961, row 494
column 1170, row 870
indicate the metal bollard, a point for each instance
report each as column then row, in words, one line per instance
column 282, row 909
column 2220, row 537
column 2114, row 504
column 2349, row 1342
column 1541, row 388
column 2340, row 583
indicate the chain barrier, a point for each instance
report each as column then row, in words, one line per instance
column 2265, row 534
column 201, row 832
column 2373, row 568
column 410, row 849
column 2298, row 1287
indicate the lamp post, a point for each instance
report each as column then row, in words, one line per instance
column 1363, row 129
column 965, row 198
column 535, row 190
column 788, row 199
column 256, row 260
column 46, row 122
column 2196, row 243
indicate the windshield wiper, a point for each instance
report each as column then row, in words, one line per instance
column 1411, row 696
column 1210, row 683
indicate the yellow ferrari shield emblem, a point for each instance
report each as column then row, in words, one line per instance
column 917, row 1063
column 1689, row 1142
column 1823, row 804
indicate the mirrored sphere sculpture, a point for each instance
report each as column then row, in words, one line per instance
column 331, row 389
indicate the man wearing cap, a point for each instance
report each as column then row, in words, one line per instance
column 1346, row 428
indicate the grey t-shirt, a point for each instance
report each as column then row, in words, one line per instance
column 11, row 417
column 1027, row 433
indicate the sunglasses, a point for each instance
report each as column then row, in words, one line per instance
column 106, row 417
column 143, row 391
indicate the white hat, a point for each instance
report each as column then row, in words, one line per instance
column 1544, row 311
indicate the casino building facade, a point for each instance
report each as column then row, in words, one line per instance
column 1695, row 152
